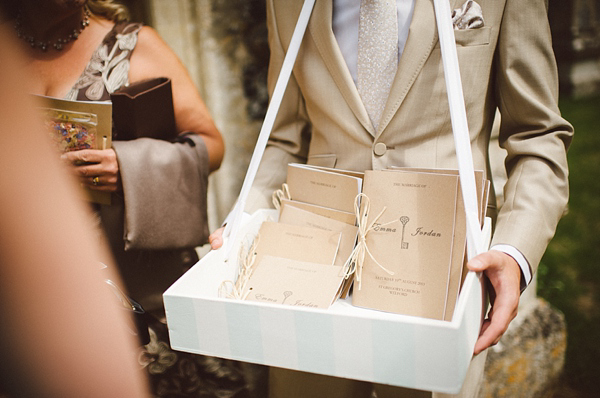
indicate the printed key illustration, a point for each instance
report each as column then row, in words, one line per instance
column 404, row 220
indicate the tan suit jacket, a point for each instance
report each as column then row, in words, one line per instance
column 507, row 64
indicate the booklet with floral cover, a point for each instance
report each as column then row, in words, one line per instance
column 77, row 125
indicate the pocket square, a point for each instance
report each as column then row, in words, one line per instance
column 469, row 16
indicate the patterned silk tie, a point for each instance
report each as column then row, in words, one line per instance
column 377, row 54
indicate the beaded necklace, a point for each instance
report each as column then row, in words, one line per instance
column 57, row 44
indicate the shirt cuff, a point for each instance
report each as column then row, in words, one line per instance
column 520, row 259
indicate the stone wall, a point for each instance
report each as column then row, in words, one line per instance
column 529, row 359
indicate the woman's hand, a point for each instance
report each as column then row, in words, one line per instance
column 96, row 169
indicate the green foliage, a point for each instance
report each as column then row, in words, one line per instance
column 569, row 275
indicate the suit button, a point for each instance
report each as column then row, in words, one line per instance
column 380, row 149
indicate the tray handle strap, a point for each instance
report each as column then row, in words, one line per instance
column 265, row 131
column 460, row 128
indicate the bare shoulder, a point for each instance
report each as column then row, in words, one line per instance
column 148, row 36
column 150, row 42
column 153, row 56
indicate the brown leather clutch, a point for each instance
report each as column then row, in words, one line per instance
column 144, row 109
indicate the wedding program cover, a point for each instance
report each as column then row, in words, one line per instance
column 77, row 125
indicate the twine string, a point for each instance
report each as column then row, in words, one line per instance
column 247, row 259
column 354, row 264
column 281, row 194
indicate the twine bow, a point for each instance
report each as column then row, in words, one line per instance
column 354, row 264
column 281, row 194
column 247, row 259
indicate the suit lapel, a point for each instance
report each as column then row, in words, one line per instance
column 422, row 37
column 320, row 28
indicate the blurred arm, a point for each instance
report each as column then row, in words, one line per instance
column 62, row 333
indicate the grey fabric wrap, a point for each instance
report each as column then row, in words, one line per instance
column 164, row 192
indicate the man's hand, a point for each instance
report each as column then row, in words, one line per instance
column 504, row 275
column 216, row 238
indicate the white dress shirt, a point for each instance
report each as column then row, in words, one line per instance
column 345, row 28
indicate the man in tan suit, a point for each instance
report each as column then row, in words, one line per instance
column 506, row 62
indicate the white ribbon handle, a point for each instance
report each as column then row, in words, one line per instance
column 265, row 131
column 460, row 128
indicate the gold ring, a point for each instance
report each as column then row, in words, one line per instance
column 95, row 180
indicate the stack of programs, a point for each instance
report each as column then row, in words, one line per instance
column 300, row 259
column 416, row 238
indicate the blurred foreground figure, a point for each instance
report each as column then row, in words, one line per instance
column 157, row 214
column 62, row 332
